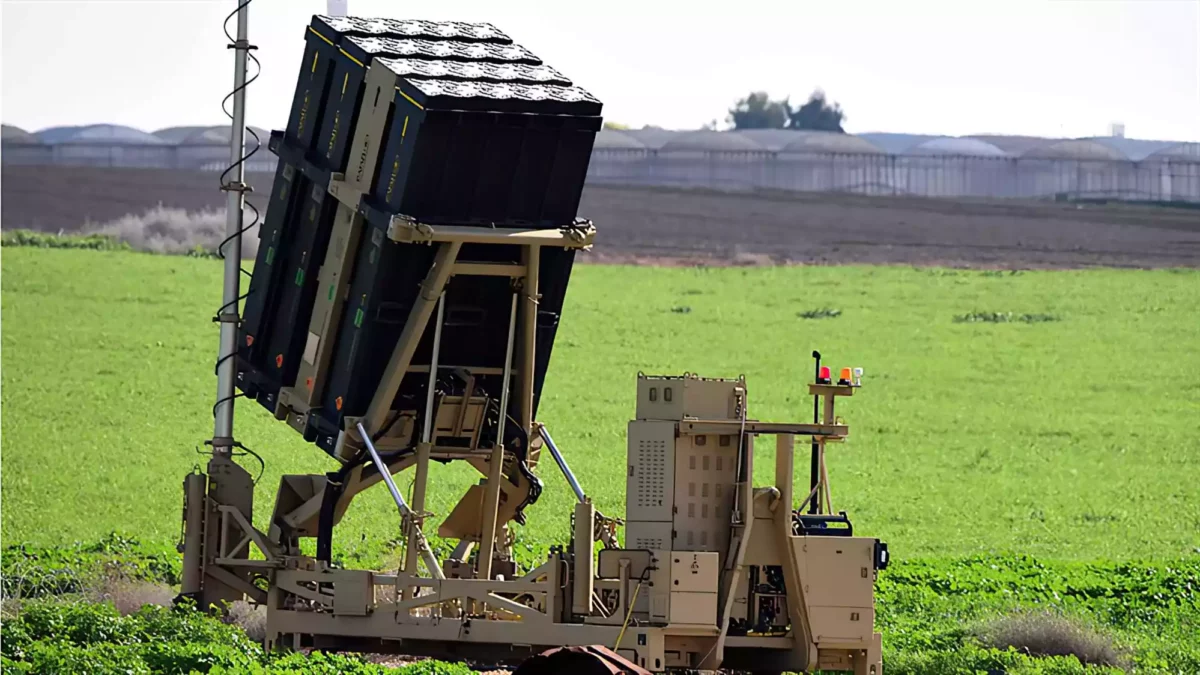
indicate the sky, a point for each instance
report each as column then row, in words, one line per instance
column 1065, row 68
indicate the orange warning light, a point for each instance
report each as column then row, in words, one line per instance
column 845, row 376
column 338, row 403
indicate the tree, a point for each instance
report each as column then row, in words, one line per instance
column 758, row 111
column 817, row 115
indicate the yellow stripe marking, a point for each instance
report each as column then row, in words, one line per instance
column 410, row 99
column 345, row 81
column 405, row 129
column 314, row 32
column 347, row 55
column 314, row 69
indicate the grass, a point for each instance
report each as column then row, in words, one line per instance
column 943, row 615
column 1071, row 439
column 65, row 638
column 965, row 615
column 1068, row 440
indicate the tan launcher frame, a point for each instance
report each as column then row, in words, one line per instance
column 662, row 608
column 667, row 606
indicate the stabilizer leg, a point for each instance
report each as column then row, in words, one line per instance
column 210, row 534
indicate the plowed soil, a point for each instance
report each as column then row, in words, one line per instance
column 671, row 227
column 841, row 229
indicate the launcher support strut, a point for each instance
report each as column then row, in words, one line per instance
column 406, row 513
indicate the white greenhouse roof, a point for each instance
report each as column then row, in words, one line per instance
column 1074, row 149
column 18, row 136
column 816, row 142
column 711, row 141
column 114, row 134
column 962, row 147
column 612, row 139
column 785, row 141
column 652, row 138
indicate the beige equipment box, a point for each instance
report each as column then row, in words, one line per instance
column 731, row 569
column 680, row 486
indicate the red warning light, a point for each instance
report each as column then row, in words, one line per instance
column 279, row 360
column 823, row 377
column 249, row 340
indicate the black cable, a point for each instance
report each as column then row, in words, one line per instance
column 243, row 188
column 262, row 465
column 242, row 159
column 383, row 431
column 233, row 44
column 226, row 399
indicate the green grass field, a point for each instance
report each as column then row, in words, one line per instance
column 1077, row 438
column 1071, row 436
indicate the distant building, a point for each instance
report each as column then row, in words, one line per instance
column 983, row 165
column 114, row 145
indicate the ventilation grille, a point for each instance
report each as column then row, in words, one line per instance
column 651, row 473
column 652, row 543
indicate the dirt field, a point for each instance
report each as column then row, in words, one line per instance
column 851, row 229
column 661, row 226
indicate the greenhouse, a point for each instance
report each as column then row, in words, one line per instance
column 880, row 163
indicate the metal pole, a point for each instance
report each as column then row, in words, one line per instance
column 583, row 538
column 815, row 462
column 397, row 367
column 232, row 249
column 427, row 425
column 430, row 560
column 562, row 464
column 413, row 545
column 421, row 481
column 532, row 258
column 491, row 498
column 785, row 478
column 508, row 357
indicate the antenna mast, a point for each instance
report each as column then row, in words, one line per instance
column 234, row 185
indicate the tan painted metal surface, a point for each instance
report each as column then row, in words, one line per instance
column 715, row 571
